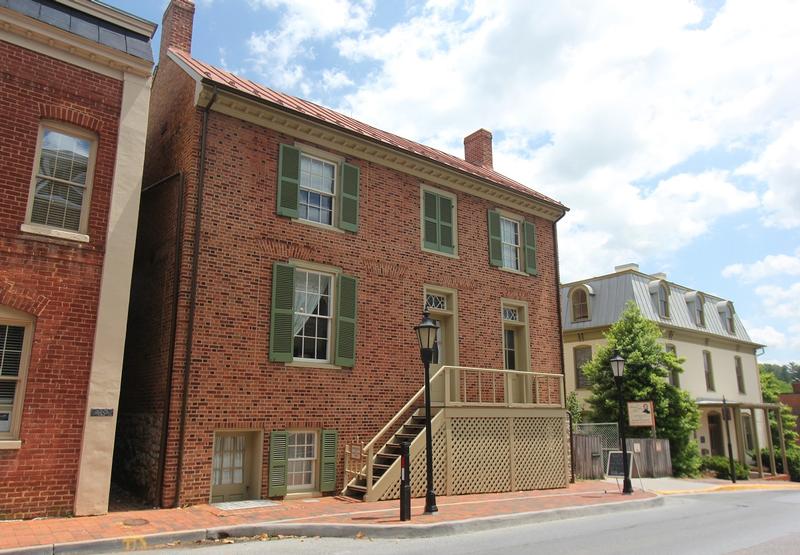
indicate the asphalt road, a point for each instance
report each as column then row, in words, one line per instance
column 744, row 523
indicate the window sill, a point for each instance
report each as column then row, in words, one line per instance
column 318, row 225
column 440, row 253
column 512, row 271
column 310, row 364
column 302, row 495
column 54, row 232
column 10, row 444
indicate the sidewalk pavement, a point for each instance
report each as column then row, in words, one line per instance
column 339, row 517
column 683, row 486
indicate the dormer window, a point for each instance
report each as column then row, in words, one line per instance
column 660, row 294
column 579, row 303
column 696, row 304
column 726, row 315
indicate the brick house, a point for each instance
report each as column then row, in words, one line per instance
column 285, row 253
column 792, row 400
column 74, row 96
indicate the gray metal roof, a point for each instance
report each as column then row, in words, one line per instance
column 84, row 25
column 612, row 292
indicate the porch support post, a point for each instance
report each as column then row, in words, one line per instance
column 782, row 441
column 754, row 426
column 737, row 425
column 772, row 467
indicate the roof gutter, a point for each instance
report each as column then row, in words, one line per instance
column 187, row 363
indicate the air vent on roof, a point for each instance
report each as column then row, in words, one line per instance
column 660, row 275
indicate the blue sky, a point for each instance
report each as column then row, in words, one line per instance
column 671, row 129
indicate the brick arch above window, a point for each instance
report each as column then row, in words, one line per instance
column 22, row 299
column 70, row 115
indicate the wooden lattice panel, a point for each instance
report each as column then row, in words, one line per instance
column 480, row 458
column 418, row 470
column 540, row 453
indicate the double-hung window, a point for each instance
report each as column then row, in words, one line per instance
column 313, row 318
column 301, row 460
column 709, row 371
column 739, row 375
column 62, row 179
column 317, row 187
column 582, row 355
column 16, row 330
column 512, row 243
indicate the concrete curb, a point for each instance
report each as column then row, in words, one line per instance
column 310, row 529
column 729, row 488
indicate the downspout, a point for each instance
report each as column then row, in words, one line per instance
column 187, row 363
column 174, row 328
column 561, row 344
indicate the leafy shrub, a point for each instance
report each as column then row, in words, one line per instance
column 720, row 466
column 792, row 457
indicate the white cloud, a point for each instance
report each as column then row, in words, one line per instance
column 279, row 55
column 780, row 302
column 767, row 335
column 779, row 167
column 769, row 266
column 624, row 90
column 335, row 79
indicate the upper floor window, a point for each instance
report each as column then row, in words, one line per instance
column 512, row 243
column 579, row 301
column 318, row 187
column 439, row 231
column 709, row 371
column 313, row 318
column 674, row 376
column 699, row 310
column 582, row 355
column 739, row 375
column 62, row 178
column 16, row 331
column 726, row 315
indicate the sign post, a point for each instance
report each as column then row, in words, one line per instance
column 726, row 416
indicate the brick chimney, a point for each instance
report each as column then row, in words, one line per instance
column 478, row 148
column 176, row 27
column 796, row 387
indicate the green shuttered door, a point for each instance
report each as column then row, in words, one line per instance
column 288, row 181
column 327, row 467
column 529, row 235
column 495, row 243
column 278, row 455
column 348, row 198
column 281, row 327
column 346, row 322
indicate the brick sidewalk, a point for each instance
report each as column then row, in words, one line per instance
column 326, row 510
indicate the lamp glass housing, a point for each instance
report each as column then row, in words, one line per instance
column 617, row 366
column 426, row 332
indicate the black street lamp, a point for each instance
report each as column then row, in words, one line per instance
column 618, row 368
column 426, row 333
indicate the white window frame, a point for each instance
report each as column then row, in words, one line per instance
column 450, row 341
column 328, row 158
column 738, row 366
column 708, row 370
column 331, row 317
column 11, row 317
column 314, row 462
column 517, row 247
column 54, row 231
column 522, row 347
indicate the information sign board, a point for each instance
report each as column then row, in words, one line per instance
column 641, row 414
column 614, row 465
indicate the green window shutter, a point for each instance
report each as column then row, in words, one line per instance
column 446, row 243
column 529, row 246
column 288, row 181
column 430, row 220
column 495, row 243
column 346, row 322
column 327, row 466
column 281, row 326
column 278, row 455
column 348, row 198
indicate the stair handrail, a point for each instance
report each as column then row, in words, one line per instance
column 369, row 447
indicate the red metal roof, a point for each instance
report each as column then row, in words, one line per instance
column 326, row 115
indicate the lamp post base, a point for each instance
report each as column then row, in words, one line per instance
column 627, row 488
column 430, row 503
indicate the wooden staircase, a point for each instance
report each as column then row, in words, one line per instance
column 388, row 455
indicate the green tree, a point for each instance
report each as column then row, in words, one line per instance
column 647, row 366
column 574, row 408
column 785, row 374
column 771, row 388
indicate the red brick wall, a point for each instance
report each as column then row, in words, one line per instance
column 56, row 280
column 793, row 401
column 234, row 385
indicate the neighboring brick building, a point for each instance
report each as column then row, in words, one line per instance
column 793, row 400
column 74, row 93
column 285, row 253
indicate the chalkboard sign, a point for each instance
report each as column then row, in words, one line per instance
column 614, row 465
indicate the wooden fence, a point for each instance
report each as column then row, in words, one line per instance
column 588, row 451
column 652, row 456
